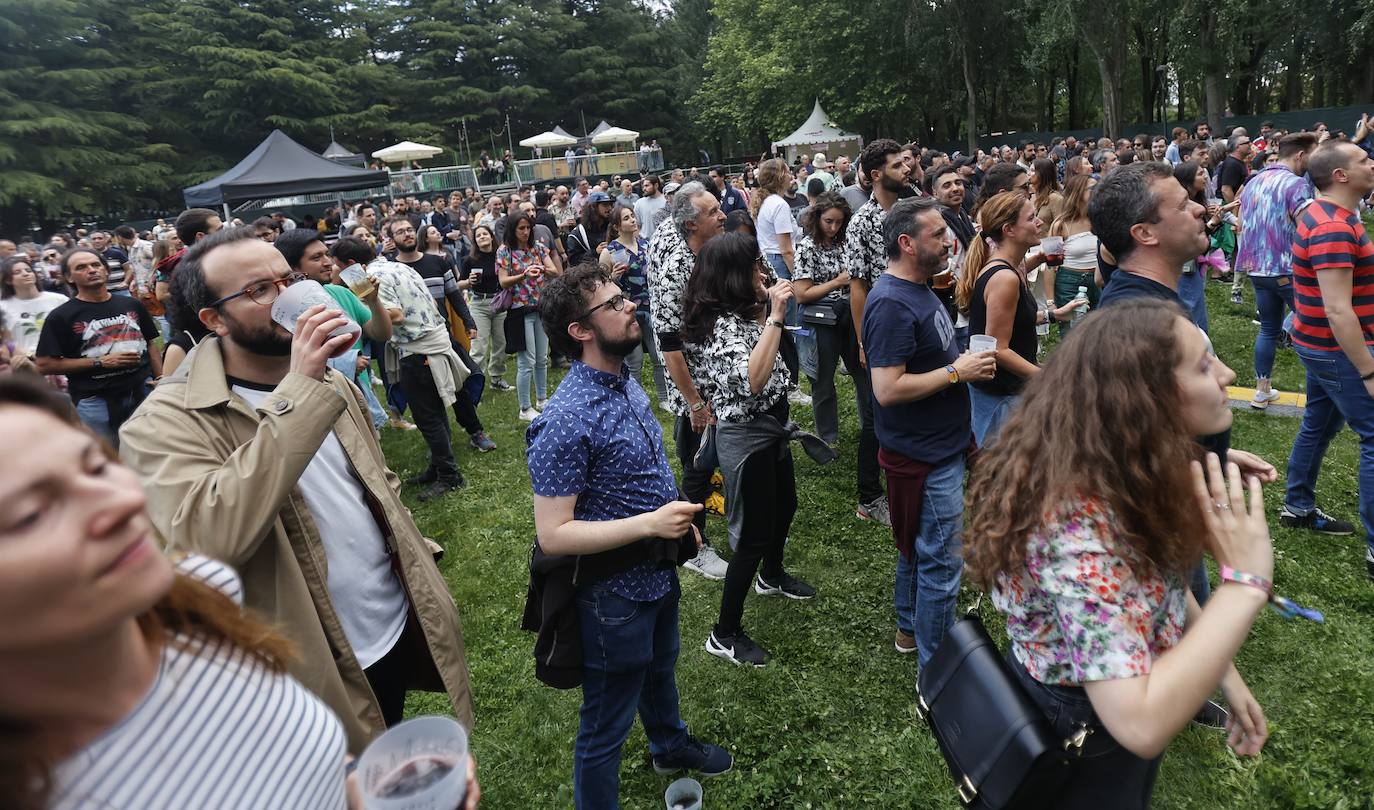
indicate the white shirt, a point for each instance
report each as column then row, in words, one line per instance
column 217, row 729
column 775, row 217
column 363, row 586
column 24, row 317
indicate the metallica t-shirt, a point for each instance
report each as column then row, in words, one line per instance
column 85, row 329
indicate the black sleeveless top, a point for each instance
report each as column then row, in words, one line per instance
column 1023, row 338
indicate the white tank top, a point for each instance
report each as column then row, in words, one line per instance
column 1080, row 252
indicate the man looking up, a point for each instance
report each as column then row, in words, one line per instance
column 256, row 454
column 694, row 218
column 102, row 343
column 121, row 271
column 924, row 421
column 1333, row 261
column 604, row 495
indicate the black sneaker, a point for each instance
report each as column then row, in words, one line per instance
column 501, row 385
column 788, row 586
column 737, row 649
column 704, row 758
column 1211, row 715
column 1316, row 521
column 427, row 477
column 441, row 486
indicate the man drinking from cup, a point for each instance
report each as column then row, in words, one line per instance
column 257, row 454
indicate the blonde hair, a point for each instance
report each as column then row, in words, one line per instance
column 996, row 213
column 774, row 177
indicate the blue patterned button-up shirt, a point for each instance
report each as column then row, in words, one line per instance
column 598, row 439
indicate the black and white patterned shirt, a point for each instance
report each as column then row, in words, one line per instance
column 864, row 253
column 724, row 359
column 821, row 264
column 670, row 265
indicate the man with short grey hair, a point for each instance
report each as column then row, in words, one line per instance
column 694, row 217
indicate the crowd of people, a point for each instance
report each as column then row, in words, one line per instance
column 156, row 398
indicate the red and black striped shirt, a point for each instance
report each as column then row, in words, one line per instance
column 1330, row 237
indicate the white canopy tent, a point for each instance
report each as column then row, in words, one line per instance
column 406, row 151
column 615, row 135
column 548, row 140
column 819, row 134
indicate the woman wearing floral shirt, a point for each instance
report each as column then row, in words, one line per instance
column 521, row 263
column 1093, row 572
column 734, row 341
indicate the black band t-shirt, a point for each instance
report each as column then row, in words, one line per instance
column 87, row 329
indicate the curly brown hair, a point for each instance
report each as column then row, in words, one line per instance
column 1128, row 452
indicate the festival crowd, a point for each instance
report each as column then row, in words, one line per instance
column 215, row 596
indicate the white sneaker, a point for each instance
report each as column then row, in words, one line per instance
column 1262, row 399
column 667, row 408
column 798, row 397
column 708, row 563
column 528, row 414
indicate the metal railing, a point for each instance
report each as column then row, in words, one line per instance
column 451, row 178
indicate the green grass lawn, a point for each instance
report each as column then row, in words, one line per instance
column 830, row 721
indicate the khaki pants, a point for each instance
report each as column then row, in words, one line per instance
column 489, row 349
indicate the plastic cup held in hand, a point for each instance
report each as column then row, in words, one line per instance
column 982, row 343
column 420, row 764
column 1053, row 248
column 684, row 794
column 303, row 295
column 356, row 279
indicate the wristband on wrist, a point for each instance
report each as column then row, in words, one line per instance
column 1286, row 608
column 1369, row 376
column 1229, row 574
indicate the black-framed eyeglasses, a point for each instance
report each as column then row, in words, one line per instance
column 615, row 302
column 262, row 293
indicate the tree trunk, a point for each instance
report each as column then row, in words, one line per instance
column 1049, row 101
column 1292, row 79
column 1106, row 38
column 972, row 111
column 1075, row 121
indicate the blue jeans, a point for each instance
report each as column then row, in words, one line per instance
column 95, row 414
column 648, row 347
column 806, row 343
column 629, row 652
column 1335, row 396
column 1272, row 294
column 533, row 362
column 927, row 587
column 1192, row 288
column 989, row 412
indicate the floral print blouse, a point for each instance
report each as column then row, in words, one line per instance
column 821, row 264
column 1079, row 612
column 635, row 283
column 863, row 242
column 514, row 262
column 724, row 361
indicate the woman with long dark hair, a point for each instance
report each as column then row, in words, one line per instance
column 1192, row 285
column 626, row 258
column 522, row 262
column 1089, row 557
column 24, row 302
column 1000, row 304
column 1045, row 190
column 108, row 651
column 483, row 283
column 733, row 340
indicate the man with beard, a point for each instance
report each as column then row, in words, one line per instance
column 257, row 454
column 887, row 172
column 588, row 239
column 611, row 532
column 947, row 184
column 442, row 284
column 923, row 420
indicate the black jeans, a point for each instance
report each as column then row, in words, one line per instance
column 769, row 500
column 430, row 417
column 390, row 675
column 695, row 485
column 1105, row 775
column 834, row 344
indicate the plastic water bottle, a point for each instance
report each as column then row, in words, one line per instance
column 1081, row 310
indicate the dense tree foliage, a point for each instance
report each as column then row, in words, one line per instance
column 111, row 108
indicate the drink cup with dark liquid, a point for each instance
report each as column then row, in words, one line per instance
column 1053, row 248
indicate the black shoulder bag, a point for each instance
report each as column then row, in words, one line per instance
column 998, row 744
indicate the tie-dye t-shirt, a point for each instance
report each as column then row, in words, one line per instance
column 1269, row 206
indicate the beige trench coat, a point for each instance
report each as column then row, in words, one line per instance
column 221, row 480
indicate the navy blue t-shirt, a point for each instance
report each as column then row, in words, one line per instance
column 906, row 325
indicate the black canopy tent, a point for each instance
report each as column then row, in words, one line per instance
column 280, row 167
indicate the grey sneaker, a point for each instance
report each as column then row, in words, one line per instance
column 482, row 442
column 708, row 563
column 877, row 511
column 798, row 397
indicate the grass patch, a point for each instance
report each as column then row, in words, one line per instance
column 830, row 722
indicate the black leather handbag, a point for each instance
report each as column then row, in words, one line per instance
column 1000, row 748
column 820, row 314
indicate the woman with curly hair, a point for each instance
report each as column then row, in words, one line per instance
column 126, row 681
column 1087, row 546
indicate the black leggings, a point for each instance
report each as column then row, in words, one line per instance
column 769, row 499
